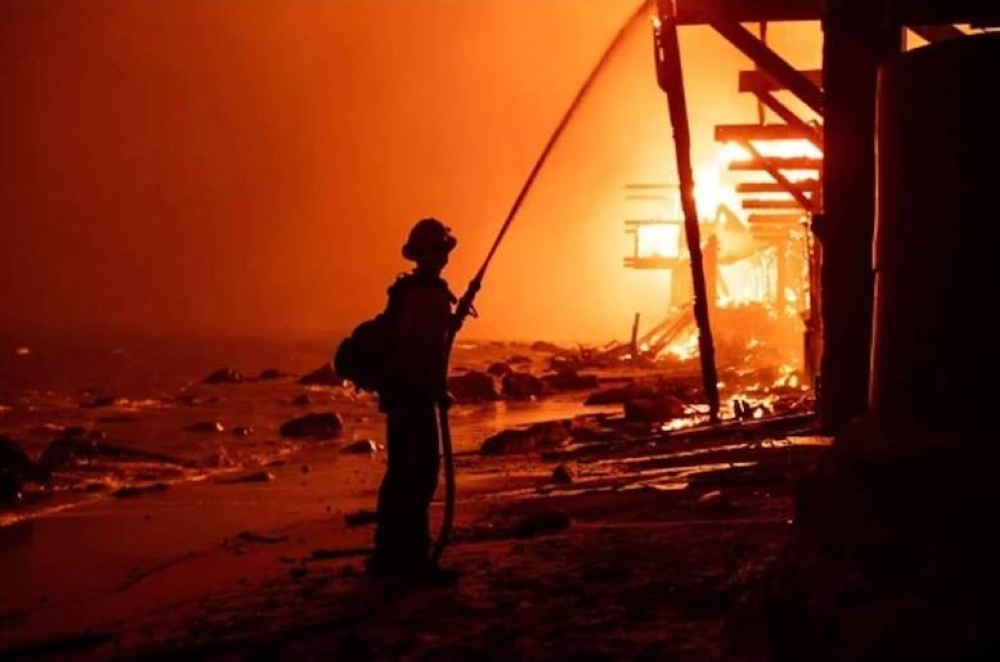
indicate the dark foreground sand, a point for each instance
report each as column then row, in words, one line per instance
column 638, row 558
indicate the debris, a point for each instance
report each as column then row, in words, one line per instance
column 324, row 375
column 533, row 438
column 326, row 425
column 499, row 369
column 570, row 380
column 255, row 477
column 659, row 409
column 205, row 426
column 263, row 538
column 138, row 490
column 224, row 376
column 360, row 447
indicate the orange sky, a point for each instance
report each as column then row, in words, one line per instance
column 253, row 167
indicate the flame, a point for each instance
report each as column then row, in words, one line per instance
column 662, row 240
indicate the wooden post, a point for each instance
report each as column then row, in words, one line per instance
column 635, row 338
column 857, row 38
column 670, row 77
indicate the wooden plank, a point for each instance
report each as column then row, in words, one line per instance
column 700, row 12
column 765, row 132
column 780, row 163
column 805, row 185
column 652, row 187
column 934, row 33
column 758, row 80
column 764, row 204
column 776, row 219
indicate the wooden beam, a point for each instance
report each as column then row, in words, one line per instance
column 776, row 219
column 761, row 54
column 949, row 12
column 787, row 114
column 700, row 12
column 934, row 33
column 764, row 204
column 805, row 185
column 778, row 163
column 741, row 132
column 755, row 80
column 654, row 187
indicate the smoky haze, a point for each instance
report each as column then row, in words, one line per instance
column 236, row 167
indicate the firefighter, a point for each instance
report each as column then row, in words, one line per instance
column 414, row 399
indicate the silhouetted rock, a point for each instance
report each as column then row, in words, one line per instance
column 499, row 369
column 564, row 474
column 302, row 400
column 324, row 375
column 570, row 380
column 205, row 426
column 522, row 386
column 67, row 451
column 224, row 376
column 531, row 439
column 242, row 431
column 654, row 410
column 473, row 387
column 14, row 461
column 327, row 425
column 271, row 374
column 361, row 447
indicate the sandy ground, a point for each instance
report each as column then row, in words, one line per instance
column 653, row 552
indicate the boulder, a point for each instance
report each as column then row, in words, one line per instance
column 270, row 374
column 654, row 410
column 224, row 376
column 564, row 474
column 473, row 387
column 499, row 369
column 327, row 425
column 522, row 386
column 66, row 451
column 14, row 461
column 537, row 437
column 324, row 375
column 570, row 380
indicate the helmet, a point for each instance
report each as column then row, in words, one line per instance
column 429, row 238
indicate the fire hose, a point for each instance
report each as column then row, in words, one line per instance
column 465, row 307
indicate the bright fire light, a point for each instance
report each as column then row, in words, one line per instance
column 659, row 240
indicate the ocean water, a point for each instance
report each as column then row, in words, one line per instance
column 144, row 395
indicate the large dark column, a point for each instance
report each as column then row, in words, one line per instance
column 857, row 38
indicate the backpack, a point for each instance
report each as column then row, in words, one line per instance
column 363, row 357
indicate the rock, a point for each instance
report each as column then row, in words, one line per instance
column 539, row 436
column 521, row 386
column 360, row 447
column 544, row 522
column 360, row 518
column 10, row 489
column 255, row 477
column 301, row 400
column 570, row 380
column 14, row 462
column 518, row 359
column 324, row 375
column 66, row 451
column 242, row 431
column 138, row 490
column 262, row 538
column 473, row 387
column 328, row 425
column 654, row 410
column 564, row 474
column 270, row 374
column 102, row 401
column 224, row 376
column 205, row 426
column 499, row 369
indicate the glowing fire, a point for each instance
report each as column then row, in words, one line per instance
column 661, row 240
